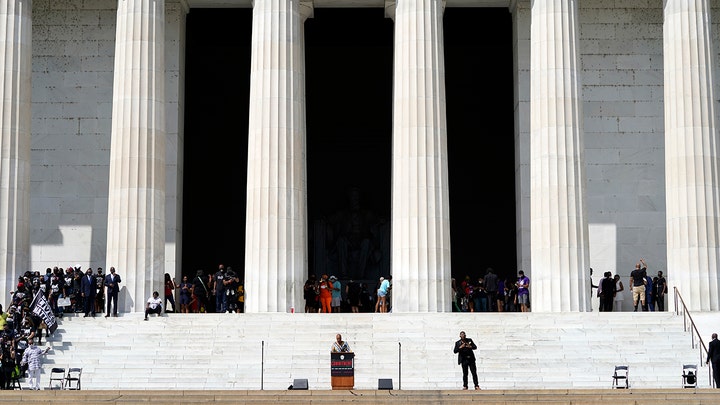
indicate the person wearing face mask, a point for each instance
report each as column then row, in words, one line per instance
column 33, row 358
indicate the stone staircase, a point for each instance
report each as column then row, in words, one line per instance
column 516, row 351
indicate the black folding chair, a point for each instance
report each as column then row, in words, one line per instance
column 57, row 374
column 621, row 373
column 689, row 376
column 72, row 381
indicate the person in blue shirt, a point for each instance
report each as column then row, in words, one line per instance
column 336, row 294
column 383, row 292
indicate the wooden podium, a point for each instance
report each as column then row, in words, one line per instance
column 342, row 370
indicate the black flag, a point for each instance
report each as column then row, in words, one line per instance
column 41, row 308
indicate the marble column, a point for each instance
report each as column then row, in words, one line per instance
column 691, row 154
column 276, row 220
column 560, row 274
column 16, row 64
column 420, row 249
column 175, row 27
column 136, row 200
column 520, row 10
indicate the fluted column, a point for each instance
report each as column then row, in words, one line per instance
column 691, row 154
column 136, row 200
column 15, row 89
column 276, row 221
column 420, row 201
column 558, row 231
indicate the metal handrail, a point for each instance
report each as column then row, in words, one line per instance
column 694, row 333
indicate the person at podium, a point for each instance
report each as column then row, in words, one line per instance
column 340, row 346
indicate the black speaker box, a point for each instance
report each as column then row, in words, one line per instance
column 300, row 384
column 385, row 383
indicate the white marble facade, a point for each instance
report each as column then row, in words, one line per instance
column 634, row 176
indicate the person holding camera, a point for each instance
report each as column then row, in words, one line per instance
column 466, row 358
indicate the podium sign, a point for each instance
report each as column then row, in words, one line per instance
column 342, row 370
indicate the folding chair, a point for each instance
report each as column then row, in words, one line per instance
column 621, row 373
column 72, row 380
column 689, row 376
column 57, row 374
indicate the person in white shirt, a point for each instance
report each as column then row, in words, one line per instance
column 33, row 358
column 153, row 305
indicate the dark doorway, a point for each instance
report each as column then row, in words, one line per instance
column 349, row 130
column 479, row 83
column 349, row 59
column 217, row 92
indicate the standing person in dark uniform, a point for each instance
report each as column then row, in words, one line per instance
column 352, row 291
column 607, row 294
column 99, row 292
column 466, row 358
column 491, row 288
column 660, row 291
column 88, row 288
column 200, row 290
column 111, row 284
column 714, row 356
column 310, row 293
column 219, row 290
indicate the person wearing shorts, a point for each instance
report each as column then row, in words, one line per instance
column 637, row 283
column 382, row 294
column 523, row 294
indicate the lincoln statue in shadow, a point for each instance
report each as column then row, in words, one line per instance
column 352, row 243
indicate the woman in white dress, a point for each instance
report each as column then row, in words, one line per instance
column 619, row 297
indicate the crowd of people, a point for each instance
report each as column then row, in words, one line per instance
column 490, row 293
column 71, row 290
column 21, row 330
column 327, row 295
column 648, row 293
column 87, row 292
column 219, row 292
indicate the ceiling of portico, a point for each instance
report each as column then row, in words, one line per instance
column 343, row 3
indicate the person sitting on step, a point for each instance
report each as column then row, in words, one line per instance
column 153, row 305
